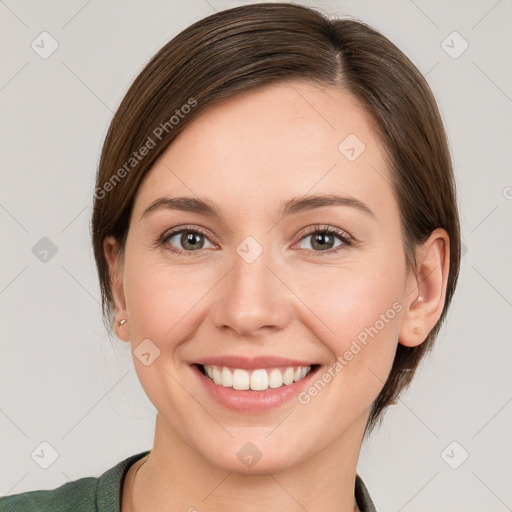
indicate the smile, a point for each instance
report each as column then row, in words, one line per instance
column 253, row 385
column 259, row 379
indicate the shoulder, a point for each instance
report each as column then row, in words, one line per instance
column 87, row 494
column 77, row 495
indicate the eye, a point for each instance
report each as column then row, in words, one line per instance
column 188, row 240
column 323, row 239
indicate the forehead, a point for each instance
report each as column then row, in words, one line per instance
column 261, row 147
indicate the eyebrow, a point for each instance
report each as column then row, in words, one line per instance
column 290, row 207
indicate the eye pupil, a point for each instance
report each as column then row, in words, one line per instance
column 322, row 240
column 189, row 239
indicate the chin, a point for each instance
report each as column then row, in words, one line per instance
column 246, row 457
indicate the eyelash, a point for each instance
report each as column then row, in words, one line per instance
column 342, row 235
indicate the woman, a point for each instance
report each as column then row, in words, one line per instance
column 276, row 234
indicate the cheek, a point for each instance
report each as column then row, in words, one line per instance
column 357, row 314
column 163, row 301
column 348, row 301
column 161, row 297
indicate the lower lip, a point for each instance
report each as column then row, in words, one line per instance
column 254, row 401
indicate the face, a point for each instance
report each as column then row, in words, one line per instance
column 320, row 285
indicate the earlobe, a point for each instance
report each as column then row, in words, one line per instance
column 115, row 264
column 426, row 289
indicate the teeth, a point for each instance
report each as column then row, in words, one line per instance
column 240, row 379
column 288, row 376
column 256, row 380
column 259, row 380
column 217, row 378
column 227, row 378
column 275, row 379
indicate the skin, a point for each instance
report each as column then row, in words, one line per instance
column 249, row 155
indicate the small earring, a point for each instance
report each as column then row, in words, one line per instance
column 122, row 321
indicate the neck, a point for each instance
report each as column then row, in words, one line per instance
column 178, row 476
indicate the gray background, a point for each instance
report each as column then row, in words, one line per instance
column 63, row 383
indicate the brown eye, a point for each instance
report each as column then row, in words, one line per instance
column 185, row 240
column 323, row 240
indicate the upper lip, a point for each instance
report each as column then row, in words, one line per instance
column 251, row 363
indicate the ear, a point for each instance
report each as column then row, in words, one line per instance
column 426, row 289
column 116, row 265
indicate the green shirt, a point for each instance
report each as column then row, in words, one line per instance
column 103, row 494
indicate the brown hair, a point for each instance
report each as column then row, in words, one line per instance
column 252, row 45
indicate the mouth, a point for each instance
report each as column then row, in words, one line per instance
column 255, row 379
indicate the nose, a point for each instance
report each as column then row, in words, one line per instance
column 254, row 299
